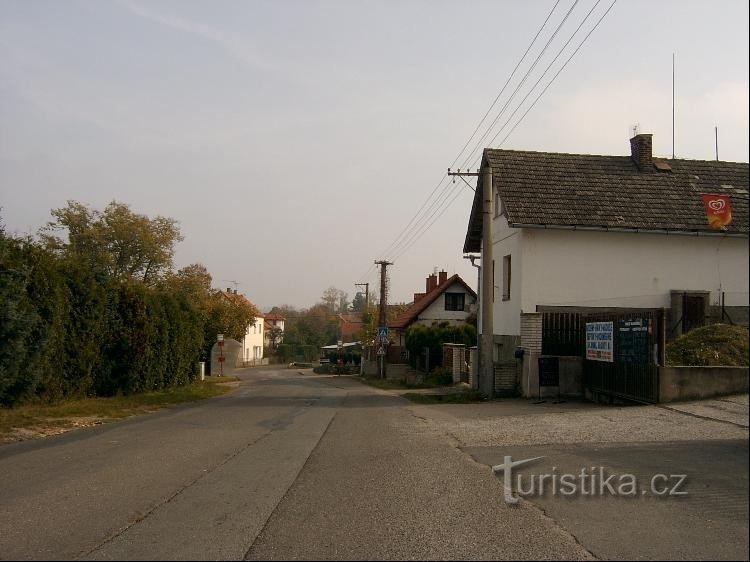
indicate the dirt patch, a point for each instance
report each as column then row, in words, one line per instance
column 50, row 427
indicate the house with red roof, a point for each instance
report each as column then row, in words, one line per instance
column 350, row 326
column 274, row 329
column 445, row 299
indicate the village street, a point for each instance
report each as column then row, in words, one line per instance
column 293, row 465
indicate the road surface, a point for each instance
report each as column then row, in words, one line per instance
column 290, row 465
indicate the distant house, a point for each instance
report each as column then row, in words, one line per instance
column 445, row 299
column 350, row 326
column 580, row 232
column 252, row 342
column 274, row 326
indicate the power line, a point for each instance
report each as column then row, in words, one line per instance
column 473, row 134
column 444, row 195
column 523, row 81
column 506, row 83
column 418, row 234
column 415, row 230
column 557, row 73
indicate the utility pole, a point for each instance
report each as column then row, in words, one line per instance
column 486, row 362
column 365, row 315
column 367, row 294
column 473, row 259
column 382, row 320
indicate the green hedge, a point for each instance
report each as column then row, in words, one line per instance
column 419, row 336
column 67, row 329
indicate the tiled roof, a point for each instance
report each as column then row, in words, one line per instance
column 236, row 297
column 413, row 312
column 351, row 324
column 589, row 191
column 274, row 317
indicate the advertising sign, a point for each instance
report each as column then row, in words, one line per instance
column 633, row 340
column 599, row 341
column 718, row 210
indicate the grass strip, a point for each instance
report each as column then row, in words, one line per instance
column 51, row 418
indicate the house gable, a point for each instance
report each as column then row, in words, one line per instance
column 429, row 305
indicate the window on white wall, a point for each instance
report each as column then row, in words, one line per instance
column 506, row 277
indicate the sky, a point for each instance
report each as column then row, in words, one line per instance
column 297, row 142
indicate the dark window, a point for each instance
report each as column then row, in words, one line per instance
column 454, row 301
column 506, row 278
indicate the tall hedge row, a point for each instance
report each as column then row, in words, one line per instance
column 68, row 329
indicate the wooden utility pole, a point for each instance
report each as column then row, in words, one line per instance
column 367, row 294
column 382, row 318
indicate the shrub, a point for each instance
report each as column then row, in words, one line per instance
column 440, row 377
column 419, row 337
column 712, row 345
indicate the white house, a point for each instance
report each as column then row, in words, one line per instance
column 274, row 326
column 445, row 299
column 252, row 343
column 253, row 340
column 579, row 232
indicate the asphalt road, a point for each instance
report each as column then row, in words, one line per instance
column 302, row 466
column 286, row 466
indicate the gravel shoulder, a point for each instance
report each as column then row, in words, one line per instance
column 519, row 422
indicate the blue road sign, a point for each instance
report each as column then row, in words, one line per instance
column 382, row 331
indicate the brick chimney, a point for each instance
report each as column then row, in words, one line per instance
column 418, row 296
column 431, row 282
column 640, row 152
column 442, row 277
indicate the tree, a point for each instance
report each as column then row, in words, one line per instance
column 275, row 334
column 127, row 245
column 358, row 304
column 229, row 315
column 343, row 301
column 335, row 300
column 330, row 298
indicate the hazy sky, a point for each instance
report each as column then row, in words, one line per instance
column 294, row 141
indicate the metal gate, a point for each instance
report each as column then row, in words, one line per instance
column 622, row 353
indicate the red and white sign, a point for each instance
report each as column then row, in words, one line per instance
column 718, row 210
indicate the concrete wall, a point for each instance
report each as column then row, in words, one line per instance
column 232, row 353
column 691, row 383
column 393, row 371
column 571, row 377
column 369, row 368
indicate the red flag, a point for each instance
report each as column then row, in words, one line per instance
column 718, row 210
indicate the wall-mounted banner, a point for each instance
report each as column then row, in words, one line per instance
column 718, row 210
column 599, row 341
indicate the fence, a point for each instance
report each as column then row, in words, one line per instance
column 629, row 367
column 562, row 333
